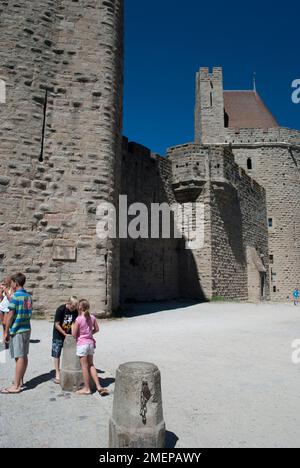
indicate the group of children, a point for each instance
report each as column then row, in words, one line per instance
column 73, row 318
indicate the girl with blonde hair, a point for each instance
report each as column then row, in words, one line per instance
column 83, row 331
column 6, row 292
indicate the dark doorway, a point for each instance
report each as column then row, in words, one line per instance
column 262, row 286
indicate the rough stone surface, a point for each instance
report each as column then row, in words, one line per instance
column 234, row 220
column 277, row 169
column 73, row 50
column 71, row 374
column 128, row 427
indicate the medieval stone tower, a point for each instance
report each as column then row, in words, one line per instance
column 60, row 144
column 269, row 154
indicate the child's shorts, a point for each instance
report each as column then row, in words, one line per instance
column 57, row 346
column 19, row 345
column 85, row 350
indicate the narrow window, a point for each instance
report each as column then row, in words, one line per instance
column 274, row 289
column 106, row 282
column 272, row 259
column 249, row 164
column 226, row 120
column 41, row 158
column 270, row 223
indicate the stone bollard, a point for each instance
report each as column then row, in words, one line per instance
column 137, row 419
column 71, row 373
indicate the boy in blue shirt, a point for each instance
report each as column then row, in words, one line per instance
column 18, row 329
column 296, row 296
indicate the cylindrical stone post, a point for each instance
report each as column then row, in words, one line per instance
column 71, row 374
column 137, row 419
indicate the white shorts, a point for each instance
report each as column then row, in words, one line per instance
column 85, row 350
column 4, row 305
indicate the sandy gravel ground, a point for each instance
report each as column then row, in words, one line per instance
column 227, row 378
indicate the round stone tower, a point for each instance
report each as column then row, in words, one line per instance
column 60, row 143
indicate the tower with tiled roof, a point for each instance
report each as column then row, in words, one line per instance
column 268, row 153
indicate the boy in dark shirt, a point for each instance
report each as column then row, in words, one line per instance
column 64, row 317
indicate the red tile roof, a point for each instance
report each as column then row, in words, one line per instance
column 245, row 109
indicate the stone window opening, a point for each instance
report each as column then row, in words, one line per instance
column 41, row 158
column 249, row 164
column 226, row 121
column 274, row 289
column 272, row 259
column 270, row 223
column 106, row 282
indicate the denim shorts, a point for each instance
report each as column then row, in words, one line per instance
column 57, row 346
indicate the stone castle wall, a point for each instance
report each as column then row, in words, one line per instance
column 277, row 169
column 209, row 108
column 259, row 136
column 271, row 157
column 238, row 223
column 149, row 267
column 235, row 220
column 60, row 144
column 153, row 269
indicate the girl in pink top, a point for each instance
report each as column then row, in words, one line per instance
column 83, row 331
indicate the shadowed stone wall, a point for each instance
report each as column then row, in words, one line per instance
column 153, row 269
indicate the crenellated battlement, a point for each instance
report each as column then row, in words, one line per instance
column 257, row 136
column 194, row 164
column 205, row 74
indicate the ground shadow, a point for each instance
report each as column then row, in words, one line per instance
column 36, row 381
column 171, row 439
column 35, row 341
column 138, row 309
column 107, row 382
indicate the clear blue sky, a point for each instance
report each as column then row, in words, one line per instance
column 168, row 40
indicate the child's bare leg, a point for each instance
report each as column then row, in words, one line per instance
column 4, row 326
column 86, row 376
column 95, row 377
column 94, row 373
column 24, row 366
column 21, row 366
column 57, row 368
